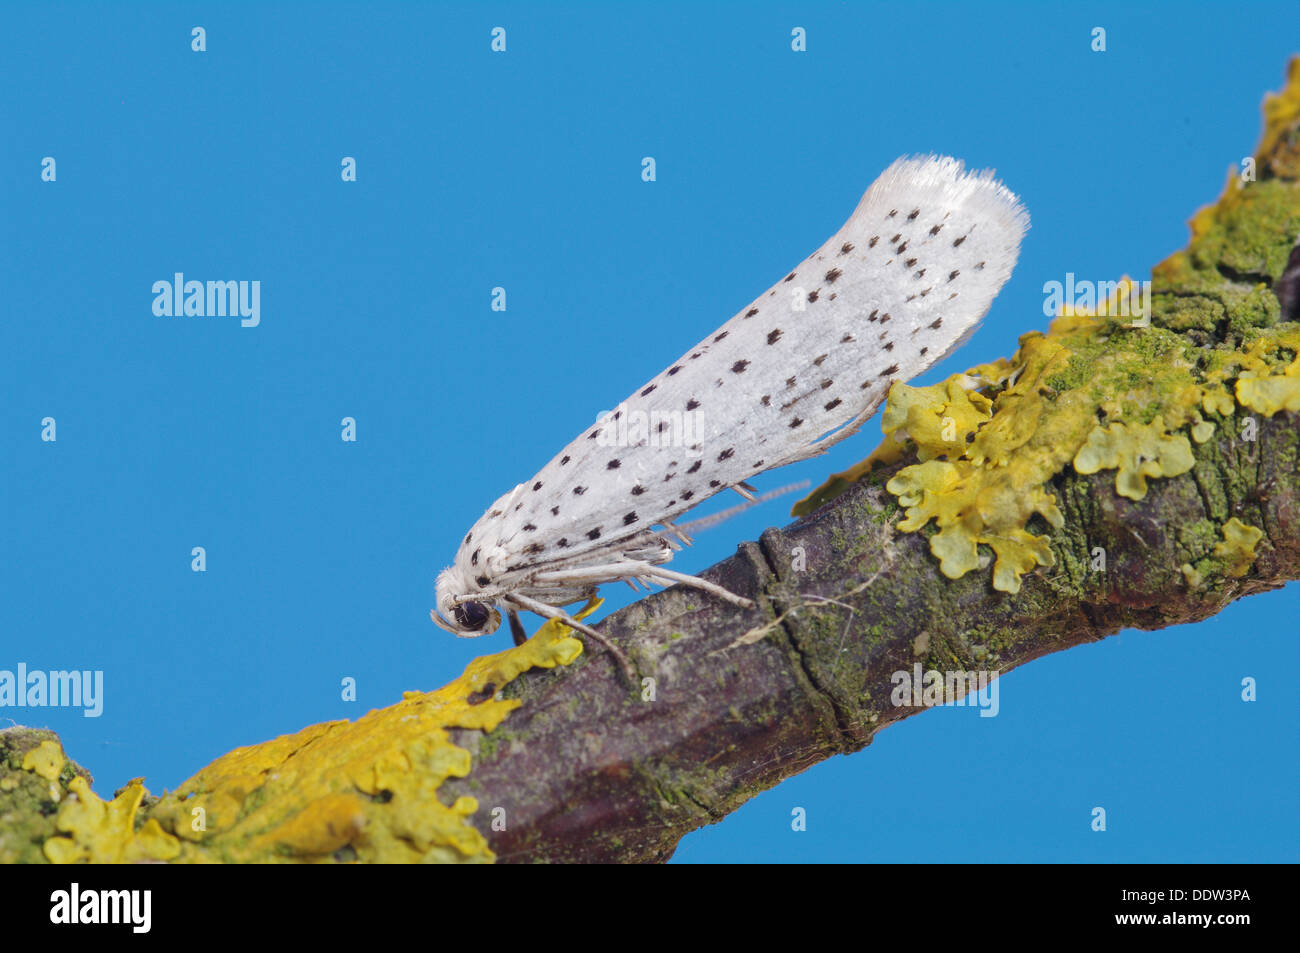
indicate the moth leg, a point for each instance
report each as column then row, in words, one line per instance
column 551, row 612
column 662, row 575
column 517, row 630
column 640, row 570
column 587, row 575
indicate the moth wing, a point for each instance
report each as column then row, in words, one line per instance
column 906, row 279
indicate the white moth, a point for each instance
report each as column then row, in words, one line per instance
column 904, row 282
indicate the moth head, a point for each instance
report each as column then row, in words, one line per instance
column 459, row 612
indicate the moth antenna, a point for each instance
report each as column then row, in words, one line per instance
column 705, row 522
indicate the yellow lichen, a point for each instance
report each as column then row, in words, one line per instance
column 1137, row 452
column 104, row 832
column 45, row 760
column 363, row 791
column 940, row 418
column 1238, row 547
column 1270, row 393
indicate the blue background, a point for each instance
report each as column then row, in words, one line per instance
column 523, row 170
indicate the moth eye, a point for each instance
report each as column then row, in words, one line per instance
column 471, row 615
